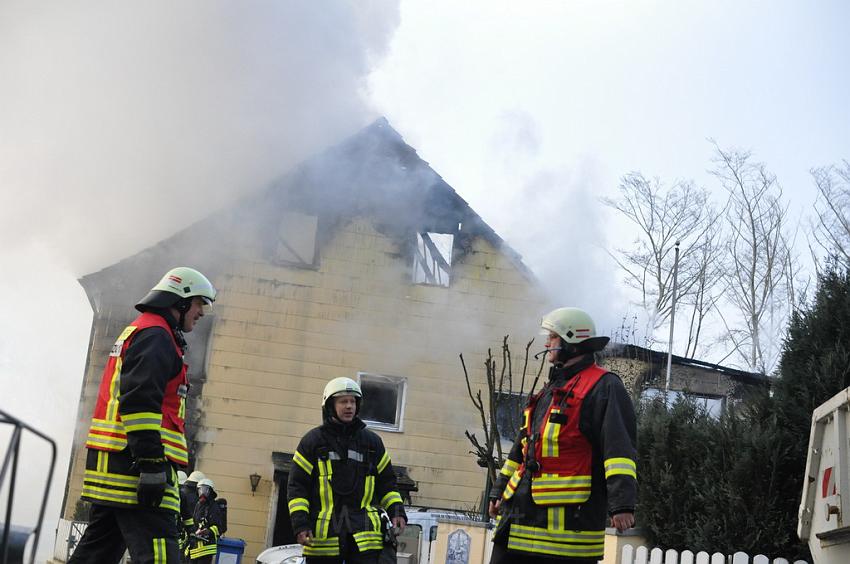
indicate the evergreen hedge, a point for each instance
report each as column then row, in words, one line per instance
column 735, row 483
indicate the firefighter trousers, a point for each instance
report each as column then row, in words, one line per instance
column 149, row 534
column 348, row 554
column 501, row 555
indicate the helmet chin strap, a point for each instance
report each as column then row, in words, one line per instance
column 183, row 306
column 546, row 351
column 571, row 351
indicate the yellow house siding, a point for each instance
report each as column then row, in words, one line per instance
column 281, row 333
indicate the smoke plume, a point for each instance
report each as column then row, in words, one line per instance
column 122, row 123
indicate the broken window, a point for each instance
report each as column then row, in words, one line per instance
column 432, row 259
column 383, row 400
column 296, row 242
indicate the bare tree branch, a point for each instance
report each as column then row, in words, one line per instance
column 757, row 283
column 663, row 216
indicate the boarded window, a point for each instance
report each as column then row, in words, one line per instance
column 383, row 400
column 432, row 259
column 296, row 240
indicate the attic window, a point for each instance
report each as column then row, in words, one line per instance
column 432, row 259
column 296, row 240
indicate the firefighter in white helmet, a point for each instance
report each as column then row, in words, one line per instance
column 339, row 519
column 136, row 440
column 572, row 467
column 188, row 501
column 210, row 524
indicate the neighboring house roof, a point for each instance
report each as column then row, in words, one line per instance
column 659, row 359
column 373, row 172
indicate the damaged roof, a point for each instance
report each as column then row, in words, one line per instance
column 372, row 173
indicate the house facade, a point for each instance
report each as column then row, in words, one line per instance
column 644, row 372
column 363, row 263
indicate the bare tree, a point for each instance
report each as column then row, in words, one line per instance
column 832, row 210
column 707, row 272
column 665, row 216
column 504, row 402
column 756, row 282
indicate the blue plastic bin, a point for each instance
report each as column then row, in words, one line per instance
column 230, row 551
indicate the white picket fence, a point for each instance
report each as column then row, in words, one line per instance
column 644, row 555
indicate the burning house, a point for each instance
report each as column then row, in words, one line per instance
column 362, row 262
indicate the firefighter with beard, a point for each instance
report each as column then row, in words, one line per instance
column 572, row 466
column 136, row 439
column 341, row 477
column 210, row 524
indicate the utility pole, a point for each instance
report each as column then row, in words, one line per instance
column 672, row 322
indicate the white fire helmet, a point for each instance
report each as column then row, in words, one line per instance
column 575, row 327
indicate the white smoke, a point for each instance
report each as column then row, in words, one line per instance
column 121, row 123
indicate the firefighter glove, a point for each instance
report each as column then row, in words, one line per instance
column 151, row 488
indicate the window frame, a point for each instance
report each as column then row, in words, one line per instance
column 415, row 266
column 293, row 215
column 652, row 392
column 401, row 402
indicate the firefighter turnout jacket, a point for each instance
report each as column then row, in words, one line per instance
column 340, row 477
column 210, row 526
column 138, row 417
column 572, row 465
column 188, row 502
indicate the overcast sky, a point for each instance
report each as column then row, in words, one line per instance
column 120, row 125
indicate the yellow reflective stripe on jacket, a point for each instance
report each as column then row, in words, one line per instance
column 109, row 478
column 159, row 554
column 383, row 462
column 107, row 426
column 374, row 518
column 326, row 497
column 512, row 484
column 109, row 494
column 142, row 421
column 298, row 504
column 108, row 443
column 624, row 466
column 551, row 432
column 555, row 480
column 177, row 454
column 102, row 461
column 552, row 489
column 173, row 436
column 368, row 540
column 98, row 493
column 368, row 491
column 323, row 547
column 302, row 462
column 509, row 467
column 120, row 488
column 556, row 518
column 390, row 498
column 570, row 544
column 106, row 435
column 203, row 549
column 114, row 390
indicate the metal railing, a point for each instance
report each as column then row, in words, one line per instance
column 14, row 539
